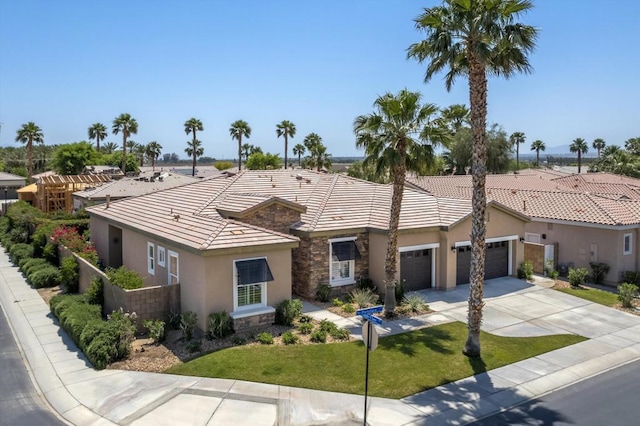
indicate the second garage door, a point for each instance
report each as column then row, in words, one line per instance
column 496, row 261
column 415, row 269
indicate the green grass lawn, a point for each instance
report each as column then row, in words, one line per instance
column 593, row 295
column 402, row 365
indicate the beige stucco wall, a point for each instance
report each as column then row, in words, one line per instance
column 100, row 237
column 574, row 245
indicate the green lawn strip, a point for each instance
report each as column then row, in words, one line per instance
column 402, row 365
column 593, row 295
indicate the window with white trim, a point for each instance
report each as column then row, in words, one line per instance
column 173, row 271
column 151, row 258
column 627, row 245
column 250, row 277
column 342, row 254
column 161, row 256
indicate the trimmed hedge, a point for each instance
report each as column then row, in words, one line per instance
column 124, row 278
column 20, row 251
column 46, row 276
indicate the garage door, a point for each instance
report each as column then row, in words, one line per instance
column 415, row 269
column 496, row 261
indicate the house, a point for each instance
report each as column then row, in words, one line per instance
column 114, row 172
column 144, row 183
column 591, row 217
column 246, row 242
column 54, row 192
column 9, row 185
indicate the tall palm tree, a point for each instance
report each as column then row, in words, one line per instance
column 456, row 115
column 288, row 130
column 97, row 131
column 392, row 137
column 153, row 151
column 28, row 134
column 194, row 150
column 633, row 145
column 110, row 147
column 299, row 150
column 581, row 147
column 538, row 146
column 472, row 39
column 141, row 152
column 516, row 139
column 598, row 145
column 238, row 130
column 245, row 151
column 192, row 126
column 128, row 126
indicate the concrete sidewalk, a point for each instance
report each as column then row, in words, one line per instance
column 84, row 396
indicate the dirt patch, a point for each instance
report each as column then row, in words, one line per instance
column 48, row 292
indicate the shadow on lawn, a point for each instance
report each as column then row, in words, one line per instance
column 432, row 338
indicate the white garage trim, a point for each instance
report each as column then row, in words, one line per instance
column 432, row 246
column 488, row 240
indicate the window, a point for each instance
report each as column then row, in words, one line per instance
column 343, row 254
column 627, row 246
column 161, row 261
column 151, row 258
column 173, row 271
column 250, row 283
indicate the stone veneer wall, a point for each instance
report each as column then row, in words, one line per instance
column 276, row 217
column 148, row 302
column 254, row 321
column 310, row 263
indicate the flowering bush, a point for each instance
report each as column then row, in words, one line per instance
column 69, row 237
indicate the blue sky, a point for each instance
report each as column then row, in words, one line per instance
column 68, row 64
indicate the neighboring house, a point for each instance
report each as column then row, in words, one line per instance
column 144, row 183
column 54, row 192
column 588, row 217
column 9, row 185
column 113, row 172
column 244, row 243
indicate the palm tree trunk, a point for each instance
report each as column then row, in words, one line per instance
column 29, row 158
column 98, row 143
column 390, row 264
column 239, row 151
column 193, row 163
column 124, row 152
column 579, row 161
column 537, row 158
column 286, row 148
column 517, row 157
column 478, row 99
column 299, row 163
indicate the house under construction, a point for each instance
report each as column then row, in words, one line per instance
column 55, row 192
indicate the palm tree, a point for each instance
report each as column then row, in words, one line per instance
column 286, row 129
column 299, row 150
column 131, row 145
column 141, row 151
column 153, row 151
column 633, row 145
column 392, row 136
column 128, row 126
column 194, row 150
column 110, row 147
column 97, row 131
column 192, row 126
column 581, row 147
column 537, row 146
column 470, row 39
column 246, row 150
column 516, row 139
column 239, row 129
column 598, row 145
column 28, row 134
column 456, row 116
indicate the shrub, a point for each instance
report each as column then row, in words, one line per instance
column 20, row 251
column 366, row 284
column 219, row 325
column 265, row 338
column 95, row 292
column 319, row 336
column 51, row 253
column 156, row 330
column 327, row 326
column 626, row 293
column 188, row 324
column 348, row 308
column 400, row 291
column 175, row 318
column 238, row 340
column 341, row 334
column 305, row 328
column 415, row 303
column 288, row 338
column 124, row 278
column 223, row 165
column 30, row 265
column 287, row 311
column 599, row 271
column 337, row 302
column 577, row 277
column 323, row 293
column 631, row 277
column 69, row 274
column 46, row 276
column 363, row 298
column 525, row 271
column 74, row 314
column 305, row 318
column 108, row 341
column 194, row 346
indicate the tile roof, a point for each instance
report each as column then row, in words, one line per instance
column 9, row 176
column 599, row 198
column 130, row 187
column 190, row 215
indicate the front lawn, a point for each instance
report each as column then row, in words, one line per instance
column 593, row 295
column 402, row 365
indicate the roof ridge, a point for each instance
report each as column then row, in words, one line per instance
column 325, row 200
column 608, row 213
column 222, row 224
column 207, row 202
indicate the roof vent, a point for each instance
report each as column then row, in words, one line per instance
column 299, row 176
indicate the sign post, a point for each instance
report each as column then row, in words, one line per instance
column 370, row 339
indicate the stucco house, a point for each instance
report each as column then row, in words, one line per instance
column 591, row 217
column 244, row 243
